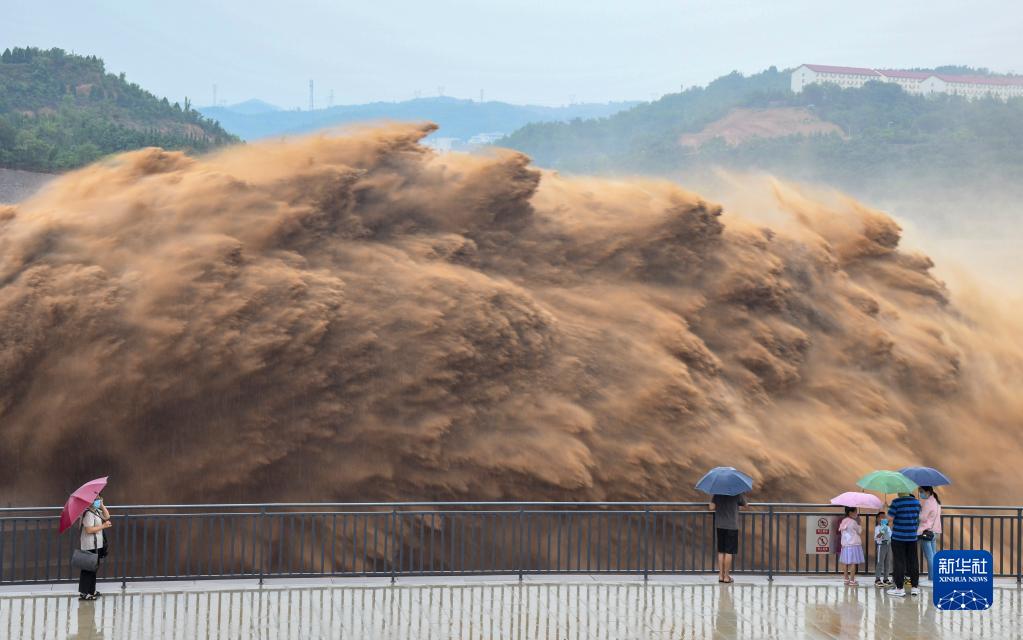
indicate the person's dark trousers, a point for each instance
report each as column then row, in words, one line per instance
column 87, row 583
column 905, row 562
column 87, row 580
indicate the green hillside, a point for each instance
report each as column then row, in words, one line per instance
column 889, row 135
column 635, row 139
column 59, row 111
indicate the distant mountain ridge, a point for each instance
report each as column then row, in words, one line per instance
column 461, row 119
column 249, row 107
column 59, row 111
column 877, row 136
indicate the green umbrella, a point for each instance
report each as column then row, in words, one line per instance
column 887, row 482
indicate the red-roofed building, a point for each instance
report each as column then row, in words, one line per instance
column 856, row 71
column 910, row 81
column 845, row 77
column 909, row 75
column 973, row 87
column 916, row 82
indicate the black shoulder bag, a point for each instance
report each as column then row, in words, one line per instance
column 84, row 560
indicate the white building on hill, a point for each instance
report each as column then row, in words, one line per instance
column 910, row 81
column 486, row 138
column 916, row 82
column 844, row 77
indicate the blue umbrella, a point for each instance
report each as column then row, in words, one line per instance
column 725, row 481
column 925, row 476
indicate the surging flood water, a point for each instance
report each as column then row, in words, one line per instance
column 355, row 317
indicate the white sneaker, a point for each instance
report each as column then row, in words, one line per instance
column 898, row 593
column 915, row 591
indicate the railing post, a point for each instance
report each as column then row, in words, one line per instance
column 770, row 543
column 645, row 545
column 521, row 551
column 269, row 541
column 1019, row 546
column 394, row 534
column 124, row 560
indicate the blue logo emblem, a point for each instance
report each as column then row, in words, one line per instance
column 963, row 580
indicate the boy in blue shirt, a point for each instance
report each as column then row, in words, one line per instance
column 905, row 514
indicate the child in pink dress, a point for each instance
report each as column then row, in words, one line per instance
column 852, row 544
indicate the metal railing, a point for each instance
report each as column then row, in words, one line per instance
column 194, row 542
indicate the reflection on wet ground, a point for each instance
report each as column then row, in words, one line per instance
column 548, row 611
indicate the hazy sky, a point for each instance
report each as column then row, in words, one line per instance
column 536, row 51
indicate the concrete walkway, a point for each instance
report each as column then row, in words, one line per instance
column 558, row 607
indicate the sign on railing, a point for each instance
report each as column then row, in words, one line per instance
column 822, row 535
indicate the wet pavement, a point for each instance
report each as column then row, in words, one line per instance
column 560, row 608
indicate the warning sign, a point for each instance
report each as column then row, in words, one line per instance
column 822, row 534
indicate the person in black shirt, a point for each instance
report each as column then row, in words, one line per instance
column 726, row 525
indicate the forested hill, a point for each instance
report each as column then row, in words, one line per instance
column 59, row 111
column 877, row 135
column 634, row 139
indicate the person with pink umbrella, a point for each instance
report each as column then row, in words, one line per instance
column 93, row 522
column 851, row 530
column 85, row 507
column 852, row 544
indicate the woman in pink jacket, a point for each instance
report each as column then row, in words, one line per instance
column 930, row 525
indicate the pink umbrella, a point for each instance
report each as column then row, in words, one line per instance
column 80, row 501
column 858, row 500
